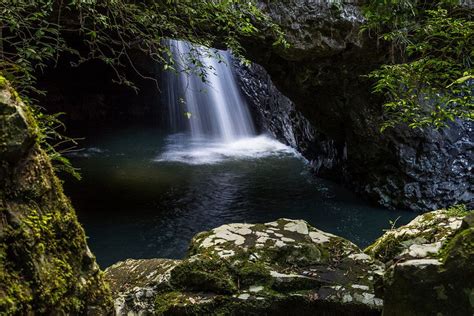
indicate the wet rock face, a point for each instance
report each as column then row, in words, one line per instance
column 315, row 29
column 434, row 168
column 277, row 114
column 429, row 265
column 273, row 268
column 335, row 120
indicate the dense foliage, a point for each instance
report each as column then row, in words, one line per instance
column 429, row 80
column 35, row 34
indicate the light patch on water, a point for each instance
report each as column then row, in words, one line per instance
column 182, row 149
column 86, row 152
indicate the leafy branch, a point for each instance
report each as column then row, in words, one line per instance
column 429, row 82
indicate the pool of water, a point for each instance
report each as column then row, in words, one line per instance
column 144, row 194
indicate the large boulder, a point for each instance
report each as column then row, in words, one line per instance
column 429, row 265
column 279, row 267
column 45, row 265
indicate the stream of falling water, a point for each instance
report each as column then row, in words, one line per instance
column 207, row 112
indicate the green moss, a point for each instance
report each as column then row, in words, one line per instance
column 203, row 274
column 385, row 248
column 249, row 273
column 51, row 247
column 165, row 301
column 459, row 210
column 426, row 229
column 176, row 303
column 3, row 82
column 460, row 249
column 304, row 255
column 193, row 246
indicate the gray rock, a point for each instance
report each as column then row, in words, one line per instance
column 279, row 267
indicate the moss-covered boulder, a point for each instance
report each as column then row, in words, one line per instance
column 279, row 267
column 423, row 237
column 429, row 265
column 45, row 264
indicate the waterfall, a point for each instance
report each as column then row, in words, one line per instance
column 212, row 112
column 212, row 108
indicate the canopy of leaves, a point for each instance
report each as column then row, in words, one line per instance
column 429, row 81
column 35, row 32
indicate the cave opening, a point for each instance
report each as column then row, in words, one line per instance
column 161, row 164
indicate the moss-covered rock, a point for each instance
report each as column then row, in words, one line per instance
column 16, row 135
column 136, row 283
column 423, row 237
column 45, row 264
column 279, row 267
column 429, row 265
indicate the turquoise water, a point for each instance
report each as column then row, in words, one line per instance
column 144, row 194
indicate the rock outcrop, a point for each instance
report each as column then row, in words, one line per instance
column 429, row 265
column 278, row 268
column 45, row 264
column 335, row 119
column 287, row 267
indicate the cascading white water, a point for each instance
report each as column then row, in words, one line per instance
column 213, row 108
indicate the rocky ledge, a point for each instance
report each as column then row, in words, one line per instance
column 287, row 267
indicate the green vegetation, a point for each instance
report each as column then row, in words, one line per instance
column 458, row 210
column 429, row 79
column 203, row 274
column 34, row 34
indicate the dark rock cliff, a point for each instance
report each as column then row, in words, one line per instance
column 276, row 114
column 335, row 120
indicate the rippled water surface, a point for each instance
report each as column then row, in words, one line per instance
column 145, row 194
